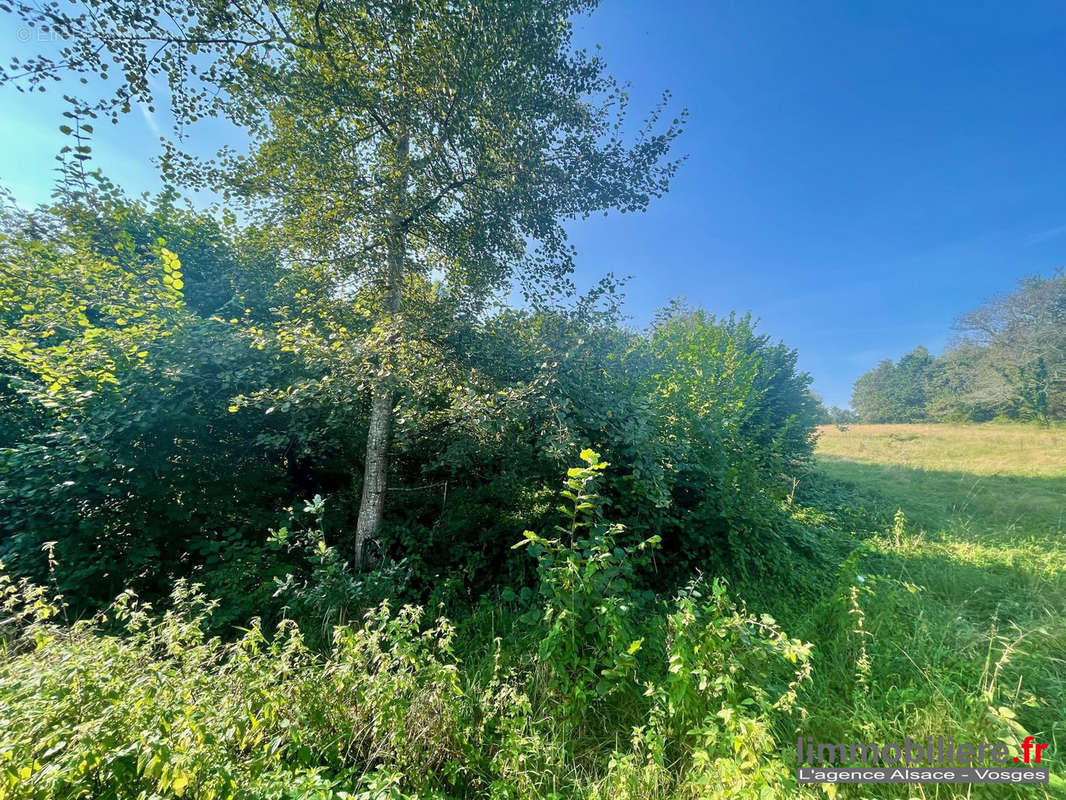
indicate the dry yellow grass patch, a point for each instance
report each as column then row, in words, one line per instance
column 988, row 449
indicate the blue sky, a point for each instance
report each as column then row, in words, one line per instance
column 858, row 174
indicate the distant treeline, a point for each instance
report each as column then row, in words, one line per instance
column 1008, row 362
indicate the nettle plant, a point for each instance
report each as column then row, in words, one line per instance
column 324, row 588
column 699, row 679
column 591, row 599
column 731, row 675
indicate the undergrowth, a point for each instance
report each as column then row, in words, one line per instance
column 586, row 685
column 626, row 694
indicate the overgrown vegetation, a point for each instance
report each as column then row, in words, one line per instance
column 133, row 703
column 279, row 482
column 153, row 439
column 581, row 685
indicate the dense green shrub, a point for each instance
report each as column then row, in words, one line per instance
column 706, row 421
column 117, row 442
column 159, row 433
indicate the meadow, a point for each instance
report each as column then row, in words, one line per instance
column 995, row 481
column 984, row 449
column 961, row 599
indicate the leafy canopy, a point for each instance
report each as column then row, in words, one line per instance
column 471, row 129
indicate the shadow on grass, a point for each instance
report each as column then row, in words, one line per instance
column 963, row 610
column 1000, row 509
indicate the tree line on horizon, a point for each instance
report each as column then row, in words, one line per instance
column 1008, row 362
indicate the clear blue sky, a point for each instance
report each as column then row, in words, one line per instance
column 858, row 174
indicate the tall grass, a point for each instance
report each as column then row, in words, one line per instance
column 962, row 601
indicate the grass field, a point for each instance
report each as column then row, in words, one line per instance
column 1021, row 450
column 962, row 599
column 995, row 480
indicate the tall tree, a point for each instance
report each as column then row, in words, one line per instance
column 870, row 395
column 894, row 392
column 1023, row 335
column 388, row 140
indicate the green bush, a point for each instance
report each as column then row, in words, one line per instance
column 155, row 437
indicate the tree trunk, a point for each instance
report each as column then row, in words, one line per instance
column 379, row 437
column 375, row 473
